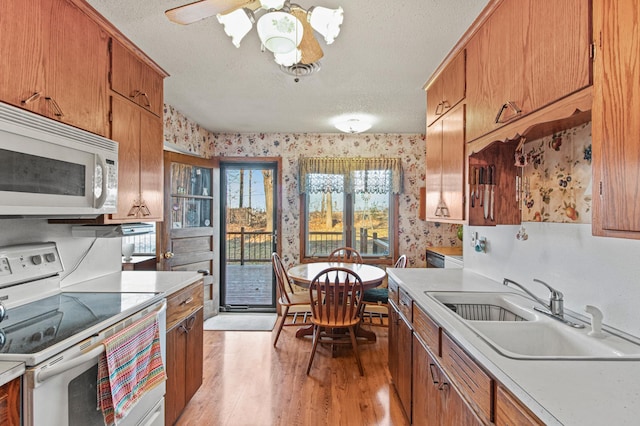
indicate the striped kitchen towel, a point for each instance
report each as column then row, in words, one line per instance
column 130, row 366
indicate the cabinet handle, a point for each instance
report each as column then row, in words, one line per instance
column 186, row 302
column 137, row 93
column 57, row 111
column 444, row 386
column 445, row 211
column 511, row 105
column 34, row 97
column 445, row 105
column 190, row 322
column 437, row 111
column 144, row 209
column 433, row 376
column 134, row 210
column 436, row 212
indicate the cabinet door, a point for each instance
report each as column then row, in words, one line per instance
column 445, row 167
column 453, row 160
column 528, row 54
column 125, row 129
column 77, row 68
column 426, row 397
column 23, row 47
column 403, row 384
column 394, row 318
column 510, row 412
column 616, row 128
column 447, row 89
column 175, row 398
column 455, row 411
column 135, row 80
column 151, row 167
column 433, row 180
column 10, row 403
column 54, row 62
column 193, row 376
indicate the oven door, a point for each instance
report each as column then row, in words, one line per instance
column 63, row 390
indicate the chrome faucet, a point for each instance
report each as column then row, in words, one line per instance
column 555, row 306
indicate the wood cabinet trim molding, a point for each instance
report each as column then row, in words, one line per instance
column 484, row 15
column 117, row 34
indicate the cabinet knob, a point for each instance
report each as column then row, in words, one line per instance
column 168, row 255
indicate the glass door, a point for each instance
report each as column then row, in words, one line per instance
column 249, row 234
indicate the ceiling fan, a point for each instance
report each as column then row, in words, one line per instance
column 285, row 29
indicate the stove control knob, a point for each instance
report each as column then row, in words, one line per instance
column 50, row 331
column 50, row 257
column 3, row 312
column 36, row 260
column 37, row 336
column 3, row 339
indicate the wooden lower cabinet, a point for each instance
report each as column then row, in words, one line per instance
column 184, row 348
column 400, row 363
column 10, row 403
column 510, row 412
column 435, row 400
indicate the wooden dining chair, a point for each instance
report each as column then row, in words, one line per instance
column 288, row 297
column 376, row 300
column 345, row 255
column 336, row 295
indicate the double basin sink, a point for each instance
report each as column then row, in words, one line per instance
column 508, row 323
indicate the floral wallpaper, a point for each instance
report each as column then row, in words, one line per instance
column 556, row 177
column 415, row 235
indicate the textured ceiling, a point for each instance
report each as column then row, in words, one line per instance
column 377, row 66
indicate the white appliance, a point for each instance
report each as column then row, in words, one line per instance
column 51, row 169
column 59, row 334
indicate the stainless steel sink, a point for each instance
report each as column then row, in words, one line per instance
column 508, row 323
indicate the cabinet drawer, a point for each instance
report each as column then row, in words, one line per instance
column 393, row 290
column 426, row 329
column 509, row 411
column 404, row 304
column 473, row 383
column 185, row 302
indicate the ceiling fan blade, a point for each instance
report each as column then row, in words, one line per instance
column 194, row 12
column 309, row 46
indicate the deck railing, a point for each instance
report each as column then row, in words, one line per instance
column 256, row 246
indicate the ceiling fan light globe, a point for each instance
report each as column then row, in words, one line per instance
column 280, row 32
column 326, row 21
column 288, row 59
column 353, row 125
column 272, row 4
column 237, row 24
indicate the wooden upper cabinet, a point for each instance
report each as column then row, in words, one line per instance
column 447, row 89
column 55, row 62
column 616, row 128
column 140, row 162
column 528, row 54
column 445, row 167
column 135, row 80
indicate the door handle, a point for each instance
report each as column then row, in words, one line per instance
column 167, row 255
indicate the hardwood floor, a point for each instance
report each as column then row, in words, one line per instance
column 248, row 382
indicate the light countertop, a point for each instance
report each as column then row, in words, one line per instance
column 566, row 392
column 165, row 282
column 9, row 370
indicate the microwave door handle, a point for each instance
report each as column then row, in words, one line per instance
column 61, row 368
column 99, row 202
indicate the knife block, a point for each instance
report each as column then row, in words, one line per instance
column 506, row 208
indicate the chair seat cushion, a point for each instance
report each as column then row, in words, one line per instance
column 376, row 295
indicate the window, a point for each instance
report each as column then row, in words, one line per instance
column 349, row 202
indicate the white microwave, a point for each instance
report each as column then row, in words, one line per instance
column 51, row 169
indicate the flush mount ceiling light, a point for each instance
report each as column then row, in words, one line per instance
column 353, row 125
column 285, row 29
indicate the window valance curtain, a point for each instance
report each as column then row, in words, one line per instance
column 350, row 175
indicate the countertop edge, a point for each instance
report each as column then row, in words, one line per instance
column 10, row 370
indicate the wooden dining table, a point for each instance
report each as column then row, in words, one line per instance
column 371, row 276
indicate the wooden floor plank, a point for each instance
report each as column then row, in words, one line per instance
column 249, row 383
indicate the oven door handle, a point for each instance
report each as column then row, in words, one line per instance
column 61, row 368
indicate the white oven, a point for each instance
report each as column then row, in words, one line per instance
column 60, row 334
column 51, row 169
column 62, row 390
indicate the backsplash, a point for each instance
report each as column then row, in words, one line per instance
column 415, row 235
column 557, row 177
